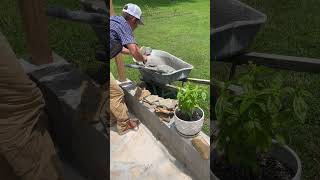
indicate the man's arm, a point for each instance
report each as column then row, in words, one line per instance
column 125, row 51
column 135, row 52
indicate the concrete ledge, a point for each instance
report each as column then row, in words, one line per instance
column 28, row 68
column 72, row 101
column 181, row 148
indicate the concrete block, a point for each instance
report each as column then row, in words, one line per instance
column 28, row 67
column 202, row 146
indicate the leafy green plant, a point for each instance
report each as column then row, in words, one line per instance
column 189, row 98
column 250, row 119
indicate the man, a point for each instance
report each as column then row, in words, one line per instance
column 24, row 142
column 121, row 32
column 122, row 41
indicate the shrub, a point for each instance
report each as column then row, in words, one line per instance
column 249, row 121
column 189, row 98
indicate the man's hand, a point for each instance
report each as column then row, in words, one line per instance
column 145, row 59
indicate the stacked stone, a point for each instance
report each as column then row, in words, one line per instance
column 164, row 108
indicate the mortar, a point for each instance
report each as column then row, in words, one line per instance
column 173, row 68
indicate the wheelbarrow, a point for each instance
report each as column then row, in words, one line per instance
column 160, row 71
column 178, row 69
column 233, row 27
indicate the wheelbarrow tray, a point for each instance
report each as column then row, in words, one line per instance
column 233, row 27
column 158, row 57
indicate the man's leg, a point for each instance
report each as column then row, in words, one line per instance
column 24, row 141
column 36, row 159
column 6, row 171
column 118, row 107
column 105, row 114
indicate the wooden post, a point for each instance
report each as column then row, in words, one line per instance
column 112, row 13
column 119, row 58
column 35, row 24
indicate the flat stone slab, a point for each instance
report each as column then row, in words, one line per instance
column 139, row 155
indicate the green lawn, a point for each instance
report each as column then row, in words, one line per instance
column 293, row 28
column 178, row 27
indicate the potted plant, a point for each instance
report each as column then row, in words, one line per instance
column 188, row 115
column 250, row 143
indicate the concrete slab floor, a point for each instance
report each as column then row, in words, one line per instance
column 138, row 155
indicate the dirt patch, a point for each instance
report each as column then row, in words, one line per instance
column 195, row 116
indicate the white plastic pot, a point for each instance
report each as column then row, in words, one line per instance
column 283, row 154
column 189, row 128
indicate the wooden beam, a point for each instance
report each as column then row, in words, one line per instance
column 119, row 58
column 301, row 64
column 112, row 13
column 35, row 24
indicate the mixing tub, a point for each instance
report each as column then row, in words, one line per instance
column 157, row 57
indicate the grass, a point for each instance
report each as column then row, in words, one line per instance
column 179, row 28
column 292, row 29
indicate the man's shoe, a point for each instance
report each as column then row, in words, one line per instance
column 132, row 124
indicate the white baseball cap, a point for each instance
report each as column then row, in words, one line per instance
column 134, row 11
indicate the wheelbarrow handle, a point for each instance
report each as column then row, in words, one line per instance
column 134, row 66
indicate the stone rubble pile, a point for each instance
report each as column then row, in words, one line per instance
column 164, row 108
